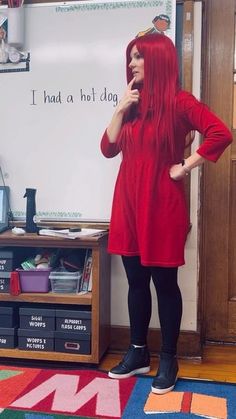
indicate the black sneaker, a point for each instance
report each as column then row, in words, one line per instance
column 136, row 361
column 166, row 375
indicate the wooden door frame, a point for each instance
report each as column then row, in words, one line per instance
column 214, row 238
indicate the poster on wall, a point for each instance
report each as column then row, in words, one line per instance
column 54, row 114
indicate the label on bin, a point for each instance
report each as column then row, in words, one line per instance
column 5, row 265
column 4, row 285
column 74, row 325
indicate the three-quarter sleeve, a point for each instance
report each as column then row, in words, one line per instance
column 216, row 136
column 109, row 149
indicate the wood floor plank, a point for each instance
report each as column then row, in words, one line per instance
column 218, row 364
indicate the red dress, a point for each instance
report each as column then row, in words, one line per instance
column 149, row 214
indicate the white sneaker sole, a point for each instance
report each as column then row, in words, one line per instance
column 143, row 370
column 162, row 390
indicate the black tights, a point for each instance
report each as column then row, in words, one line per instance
column 140, row 303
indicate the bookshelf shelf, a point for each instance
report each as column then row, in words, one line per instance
column 85, row 299
column 98, row 300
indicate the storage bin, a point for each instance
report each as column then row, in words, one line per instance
column 34, row 318
column 8, row 338
column 34, row 280
column 73, row 321
column 35, row 340
column 6, row 260
column 76, row 343
column 8, row 316
column 5, row 282
column 9, row 260
column 65, row 282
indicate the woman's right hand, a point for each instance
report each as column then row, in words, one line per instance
column 130, row 97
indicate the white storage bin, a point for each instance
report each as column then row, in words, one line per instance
column 65, row 282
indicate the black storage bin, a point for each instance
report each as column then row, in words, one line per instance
column 5, row 282
column 73, row 321
column 8, row 338
column 76, row 343
column 37, row 319
column 35, row 340
column 6, row 260
column 8, row 316
column 10, row 260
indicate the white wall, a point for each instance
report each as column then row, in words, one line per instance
column 188, row 274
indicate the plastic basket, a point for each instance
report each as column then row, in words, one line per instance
column 34, row 280
column 65, row 282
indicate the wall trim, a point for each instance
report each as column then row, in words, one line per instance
column 189, row 345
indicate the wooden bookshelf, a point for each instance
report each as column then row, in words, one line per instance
column 98, row 300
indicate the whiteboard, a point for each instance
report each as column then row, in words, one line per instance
column 54, row 114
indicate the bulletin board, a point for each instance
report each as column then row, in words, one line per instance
column 56, row 105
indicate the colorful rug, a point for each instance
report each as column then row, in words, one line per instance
column 33, row 393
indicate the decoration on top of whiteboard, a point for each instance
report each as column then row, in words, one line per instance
column 12, row 31
column 15, row 4
column 3, row 52
column 3, row 27
column 161, row 24
column 16, row 26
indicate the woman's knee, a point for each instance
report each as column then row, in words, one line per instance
column 165, row 279
column 138, row 275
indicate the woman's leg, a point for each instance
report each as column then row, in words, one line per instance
column 139, row 299
column 169, row 306
column 170, row 313
column 137, row 359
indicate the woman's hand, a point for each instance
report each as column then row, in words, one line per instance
column 177, row 171
column 130, row 97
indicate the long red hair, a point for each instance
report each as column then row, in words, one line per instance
column 160, row 86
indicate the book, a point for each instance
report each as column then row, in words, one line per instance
column 84, row 284
column 90, row 285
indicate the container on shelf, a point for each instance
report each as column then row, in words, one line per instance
column 5, row 282
column 34, row 280
column 34, row 318
column 8, row 338
column 76, row 343
column 8, row 316
column 64, row 281
column 9, row 260
column 73, row 321
column 35, row 340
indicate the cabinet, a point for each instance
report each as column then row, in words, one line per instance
column 98, row 300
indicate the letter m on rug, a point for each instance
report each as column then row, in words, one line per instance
column 68, row 397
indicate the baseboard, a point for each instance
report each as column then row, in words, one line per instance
column 189, row 345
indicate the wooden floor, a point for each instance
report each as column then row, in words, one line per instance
column 218, row 363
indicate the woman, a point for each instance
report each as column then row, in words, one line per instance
column 149, row 221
